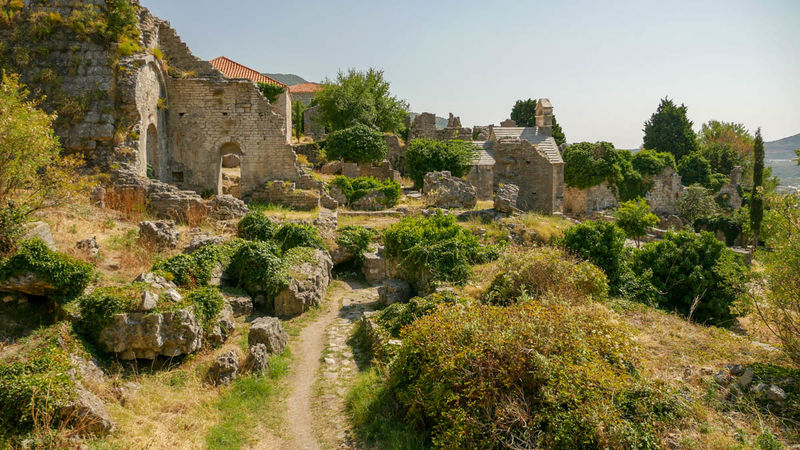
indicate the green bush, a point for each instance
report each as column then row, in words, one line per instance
column 695, row 169
column 697, row 276
column 208, row 303
column 695, row 203
column 68, row 275
column 544, row 271
column 534, row 375
column 99, row 307
column 34, row 387
column 356, row 239
column 12, row 217
column 291, row 235
column 255, row 226
column 359, row 143
column 731, row 227
column 602, row 244
column 651, row 162
column 589, row 164
column 355, row 188
column 258, row 269
column 396, row 316
column 197, row 268
column 634, row 217
column 428, row 155
column 270, row 91
column 437, row 246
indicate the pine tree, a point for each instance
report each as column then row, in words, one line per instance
column 670, row 130
column 757, row 200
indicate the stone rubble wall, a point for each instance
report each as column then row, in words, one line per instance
column 482, row 177
column 666, row 191
column 424, row 126
column 585, row 202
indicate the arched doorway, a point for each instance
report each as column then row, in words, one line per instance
column 152, row 149
column 230, row 170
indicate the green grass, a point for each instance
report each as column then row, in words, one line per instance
column 249, row 402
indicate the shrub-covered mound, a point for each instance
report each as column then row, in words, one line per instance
column 291, row 235
column 359, row 143
column 540, row 271
column 356, row 188
column 356, row 240
column 258, row 268
column 429, row 155
column 694, row 275
column 538, row 374
column 197, row 268
column 68, row 276
column 255, row 226
column 437, row 245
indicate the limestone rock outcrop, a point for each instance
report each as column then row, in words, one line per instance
column 307, row 286
column 87, row 413
column 394, row 291
column 241, row 306
column 201, row 241
column 223, row 371
column 222, row 328
column 505, row 199
column 227, row 207
column 138, row 335
column 27, row 283
column 161, row 233
column 257, row 360
column 269, row 332
column 40, row 230
column 442, row 190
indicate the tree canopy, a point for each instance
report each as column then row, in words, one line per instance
column 360, row 97
column 670, row 130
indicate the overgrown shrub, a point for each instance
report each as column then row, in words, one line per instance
column 534, row 375
column 602, row 244
column 197, row 268
column 651, row 162
column 545, row 270
column 589, row 164
column 270, row 91
column 34, row 387
column 695, row 169
column 396, row 316
column 207, row 302
column 11, row 219
column 356, row 239
column 355, row 188
column 258, row 269
column 429, row 155
column 291, row 235
column 255, row 226
column 68, row 276
column 634, row 217
column 695, row 203
column 436, row 245
column 696, row 275
column 359, row 143
column 730, row 226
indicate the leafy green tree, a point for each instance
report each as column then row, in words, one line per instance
column 729, row 134
column 721, row 157
column 756, row 198
column 602, row 244
column 670, row 130
column 359, row 143
column 651, row 162
column 271, row 91
column 588, row 164
column 524, row 114
column 33, row 174
column 359, row 97
column 634, row 217
column 697, row 202
column 429, row 155
column 694, row 169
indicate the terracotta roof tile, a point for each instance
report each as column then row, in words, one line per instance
column 305, row 88
column 232, row 69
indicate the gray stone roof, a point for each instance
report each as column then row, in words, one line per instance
column 535, row 136
column 484, row 155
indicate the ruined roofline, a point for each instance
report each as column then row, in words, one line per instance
column 234, row 70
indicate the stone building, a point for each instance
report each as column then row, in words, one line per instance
column 481, row 175
column 162, row 112
column 304, row 92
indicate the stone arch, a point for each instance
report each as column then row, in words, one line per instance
column 229, row 175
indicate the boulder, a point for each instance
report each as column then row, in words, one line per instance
column 505, row 198
column 87, row 414
column 241, row 306
column 776, row 394
column 372, row 201
column 201, row 241
column 89, row 246
column 138, row 335
column 27, row 283
column 443, row 190
column 332, row 168
column 268, row 331
column 223, row 371
column 376, row 267
column 307, row 286
column 40, row 230
column 231, row 161
column 154, row 281
column 98, row 196
column 257, row 360
column 394, row 291
column 222, row 327
column 227, row 207
column 341, row 254
column 746, row 378
column 161, row 233
column 148, row 302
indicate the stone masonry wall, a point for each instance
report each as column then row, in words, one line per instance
column 666, row 191
column 482, row 177
column 519, row 162
column 580, row 202
column 208, row 118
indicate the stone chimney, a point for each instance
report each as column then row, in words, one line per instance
column 544, row 116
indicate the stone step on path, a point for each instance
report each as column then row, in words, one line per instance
column 339, row 368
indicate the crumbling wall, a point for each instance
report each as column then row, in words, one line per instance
column 580, row 202
column 424, row 126
column 666, row 191
column 396, row 153
column 482, row 177
column 208, row 118
column 540, row 182
column 311, row 123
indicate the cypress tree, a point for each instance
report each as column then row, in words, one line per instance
column 757, row 200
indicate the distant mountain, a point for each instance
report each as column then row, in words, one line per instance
column 441, row 122
column 781, row 157
column 286, row 78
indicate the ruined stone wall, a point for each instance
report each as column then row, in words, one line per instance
column 311, row 125
column 396, row 153
column 482, row 177
column 584, row 202
column 666, row 191
column 179, row 55
column 208, row 118
column 540, row 181
column 424, row 126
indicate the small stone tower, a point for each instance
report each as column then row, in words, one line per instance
column 544, row 116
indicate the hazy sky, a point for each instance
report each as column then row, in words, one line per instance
column 603, row 64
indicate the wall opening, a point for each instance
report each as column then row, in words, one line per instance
column 151, row 149
column 230, row 172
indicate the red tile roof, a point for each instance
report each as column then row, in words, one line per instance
column 305, row 88
column 232, row 69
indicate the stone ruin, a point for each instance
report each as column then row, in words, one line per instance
column 163, row 113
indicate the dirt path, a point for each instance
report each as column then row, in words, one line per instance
column 321, row 350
